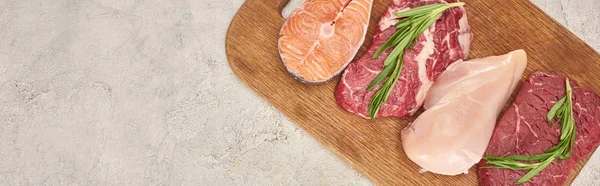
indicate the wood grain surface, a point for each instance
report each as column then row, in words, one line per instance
column 374, row 147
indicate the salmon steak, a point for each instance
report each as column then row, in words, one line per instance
column 443, row 43
column 321, row 37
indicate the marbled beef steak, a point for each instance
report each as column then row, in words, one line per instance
column 443, row 43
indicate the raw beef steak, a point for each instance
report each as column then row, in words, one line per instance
column 443, row 43
column 524, row 130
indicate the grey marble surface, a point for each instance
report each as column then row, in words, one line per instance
column 138, row 92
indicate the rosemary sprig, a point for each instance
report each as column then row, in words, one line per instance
column 563, row 112
column 415, row 22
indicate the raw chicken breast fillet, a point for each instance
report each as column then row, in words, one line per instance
column 462, row 106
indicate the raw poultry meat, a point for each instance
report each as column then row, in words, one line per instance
column 462, row 106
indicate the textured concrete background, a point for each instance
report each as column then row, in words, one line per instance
column 138, row 92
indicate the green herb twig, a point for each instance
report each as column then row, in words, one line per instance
column 563, row 112
column 415, row 22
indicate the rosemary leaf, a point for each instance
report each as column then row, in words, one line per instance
column 536, row 170
column 555, row 108
column 382, row 75
column 530, row 157
column 422, row 10
column 386, row 45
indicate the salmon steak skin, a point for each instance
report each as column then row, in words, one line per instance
column 321, row 37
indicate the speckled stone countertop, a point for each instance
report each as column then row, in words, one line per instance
column 139, row 92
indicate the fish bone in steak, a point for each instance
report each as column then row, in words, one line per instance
column 524, row 129
column 445, row 42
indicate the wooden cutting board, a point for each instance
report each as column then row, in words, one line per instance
column 374, row 147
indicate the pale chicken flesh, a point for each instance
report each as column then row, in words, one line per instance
column 462, row 106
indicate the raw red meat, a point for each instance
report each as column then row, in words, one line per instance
column 524, row 129
column 443, row 43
